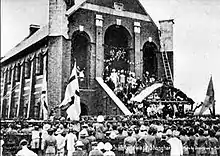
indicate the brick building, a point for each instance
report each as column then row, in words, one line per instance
column 87, row 31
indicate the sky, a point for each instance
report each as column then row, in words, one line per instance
column 196, row 37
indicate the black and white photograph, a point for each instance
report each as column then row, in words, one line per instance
column 110, row 78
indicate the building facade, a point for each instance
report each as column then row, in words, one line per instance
column 95, row 34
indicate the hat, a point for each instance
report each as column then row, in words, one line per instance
column 100, row 118
column 142, row 128
column 108, row 132
column 100, row 145
column 79, row 144
column 23, row 142
column 83, row 133
column 94, row 143
column 169, row 132
column 163, row 136
column 107, row 146
column 50, row 130
column 46, row 127
column 85, row 125
column 59, row 131
column 176, row 133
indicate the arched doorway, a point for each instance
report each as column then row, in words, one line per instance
column 117, row 43
column 80, row 52
column 149, row 58
column 84, row 109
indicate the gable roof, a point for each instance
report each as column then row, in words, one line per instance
column 130, row 5
column 27, row 42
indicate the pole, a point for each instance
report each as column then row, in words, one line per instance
column 213, row 109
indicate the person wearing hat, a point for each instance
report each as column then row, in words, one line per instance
column 84, row 130
column 148, row 141
column 163, row 147
column 71, row 141
column 60, row 142
column 35, row 142
column 119, row 142
column 175, row 143
column 201, row 143
column 85, row 141
column 129, row 144
column 99, row 128
column 79, row 149
column 25, row 151
column 185, row 139
column 50, row 144
column 96, row 151
column 108, row 148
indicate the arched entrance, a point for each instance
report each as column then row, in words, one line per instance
column 84, row 109
column 117, row 43
column 149, row 58
column 80, row 52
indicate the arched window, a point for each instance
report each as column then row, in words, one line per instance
column 149, row 58
column 117, row 42
column 81, row 51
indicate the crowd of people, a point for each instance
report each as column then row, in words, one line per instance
column 126, row 86
column 114, row 136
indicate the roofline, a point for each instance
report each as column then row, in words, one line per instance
column 147, row 13
column 168, row 20
column 26, row 43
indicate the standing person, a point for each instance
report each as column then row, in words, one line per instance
column 163, row 147
column 96, row 151
column 79, row 149
column 50, row 145
column 175, row 143
column 85, row 142
column 122, row 78
column 108, row 148
column 148, row 141
column 1, row 143
column 114, row 77
column 130, row 143
column 119, row 142
column 201, row 143
column 70, row 141
column 25, row 151
column 213, row 143
column 99, row 128
column 185, row 141
column 60, row 142
column 35, row 142
column 191, row 142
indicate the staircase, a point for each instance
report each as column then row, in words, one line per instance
column 113, row 97
column 167, row 68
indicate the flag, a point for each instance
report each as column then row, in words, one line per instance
column 71, row 101
column 44, row 98
column 210, row 98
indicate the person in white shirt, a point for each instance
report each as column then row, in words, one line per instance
column 60, row 142
column 25, row 151
column 175, row 143
column 1, row 144
column 71, row 141
column 108, row 148
column 114, row 77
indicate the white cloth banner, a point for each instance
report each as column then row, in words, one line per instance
column 71, row 100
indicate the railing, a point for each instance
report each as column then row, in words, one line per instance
column 112, row 95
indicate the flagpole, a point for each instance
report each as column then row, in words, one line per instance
column 213, row 109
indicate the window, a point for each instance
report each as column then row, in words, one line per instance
column 118, row 6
